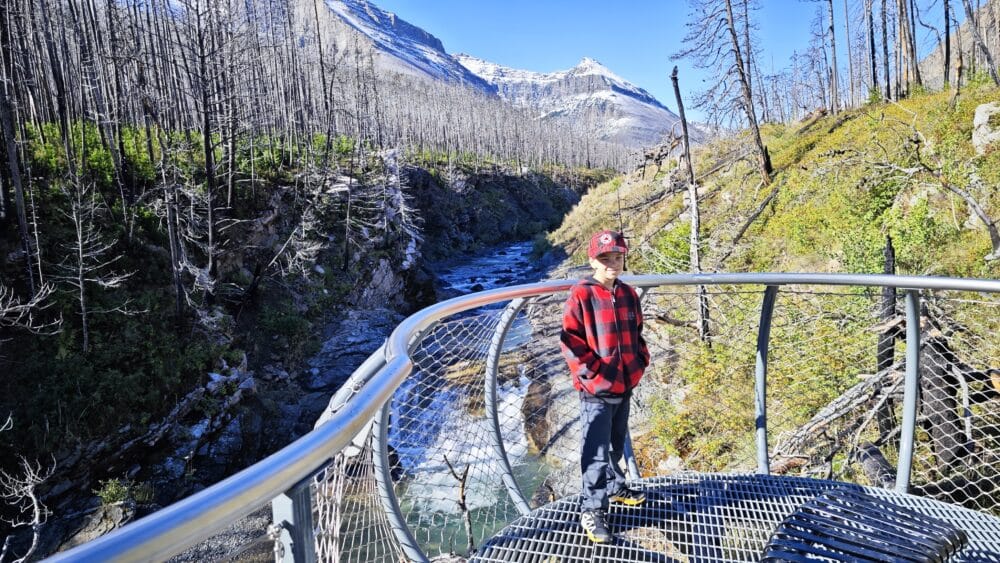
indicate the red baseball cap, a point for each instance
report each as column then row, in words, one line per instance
column 606, row 241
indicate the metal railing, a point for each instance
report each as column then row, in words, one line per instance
column 287, row 472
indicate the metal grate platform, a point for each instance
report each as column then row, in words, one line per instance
column 705, row 518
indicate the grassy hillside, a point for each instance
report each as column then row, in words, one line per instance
column 842, row 184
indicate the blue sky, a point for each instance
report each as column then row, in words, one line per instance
column 635, row 39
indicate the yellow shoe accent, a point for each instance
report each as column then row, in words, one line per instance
column 594, row 538
column 628, row 497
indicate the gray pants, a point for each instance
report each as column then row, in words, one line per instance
column 604, row 428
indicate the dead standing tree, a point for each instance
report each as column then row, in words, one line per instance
column 20, row 490
column 13, row 168
column 695, row 242
column 886, row 348
column 830, row 35
column 714, row 38
column 89, row 255
column 869, row 10
column 977, row 38
column 906, row 46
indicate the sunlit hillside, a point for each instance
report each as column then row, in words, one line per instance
column 843, row 183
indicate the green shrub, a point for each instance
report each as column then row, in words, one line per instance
column 540, row 245
column 113, row 491
column 344, row 145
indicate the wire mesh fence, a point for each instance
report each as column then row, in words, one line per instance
column 835, row 372
column 351, row 523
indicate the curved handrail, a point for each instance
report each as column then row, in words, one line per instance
column 173, row 529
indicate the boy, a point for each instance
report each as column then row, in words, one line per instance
column 602, row 342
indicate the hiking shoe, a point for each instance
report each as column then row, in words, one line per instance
column 628, row 497
column 597, row 529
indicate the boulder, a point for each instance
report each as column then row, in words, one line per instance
column 986, row 126
column 102, row 520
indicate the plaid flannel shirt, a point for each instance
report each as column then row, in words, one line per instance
column 602, row 338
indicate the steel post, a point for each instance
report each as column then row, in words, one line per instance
column 292, row 511
column 490, row 392
column 760, row 372
column 911, row 388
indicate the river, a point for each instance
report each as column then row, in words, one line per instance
column 496, row 267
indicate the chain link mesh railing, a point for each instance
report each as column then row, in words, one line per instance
column 447, row 476
column 835, row 371
column 350, row 520
column 477, row 441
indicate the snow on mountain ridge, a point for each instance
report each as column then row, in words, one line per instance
column 497, row 74
column 588, row 65
column 590, row 93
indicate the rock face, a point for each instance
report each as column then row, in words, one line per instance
column 398, row 45
column 468, row 211
column 350, row 343
column 986, row 126
column 100, row 520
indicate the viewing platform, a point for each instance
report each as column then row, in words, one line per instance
column 784, row 417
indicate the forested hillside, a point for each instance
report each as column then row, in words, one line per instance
column 117, row 352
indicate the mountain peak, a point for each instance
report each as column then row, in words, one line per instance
column 402, row 46
column 588, row 65
column 587, row 62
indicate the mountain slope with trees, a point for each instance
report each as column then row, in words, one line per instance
column 129, row 384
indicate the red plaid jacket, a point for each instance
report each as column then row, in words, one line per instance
column 602, row 338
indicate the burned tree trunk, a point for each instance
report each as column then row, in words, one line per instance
column 939, row 403
column 887, row 339
column 703, row 313
column 13, row 167
column 942, row 392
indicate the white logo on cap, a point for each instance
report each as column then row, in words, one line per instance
column 606, row 238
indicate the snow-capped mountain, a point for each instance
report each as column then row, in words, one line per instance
column 588, row 93
column 398, row 45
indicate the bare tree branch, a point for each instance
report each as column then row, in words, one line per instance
column 20, row 492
